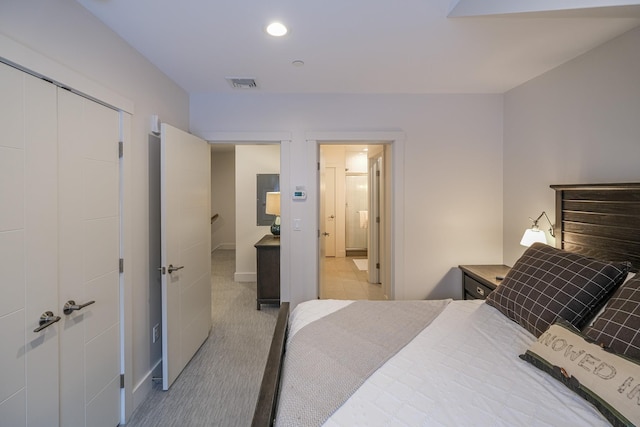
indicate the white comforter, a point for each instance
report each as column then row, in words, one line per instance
column 462, row 370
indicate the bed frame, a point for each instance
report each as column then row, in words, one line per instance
column 265, row 411
column 596, row 220
column 600, row 220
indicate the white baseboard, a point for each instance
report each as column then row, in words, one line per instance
column 224, row 246
column 143, row 388
column 244, row 277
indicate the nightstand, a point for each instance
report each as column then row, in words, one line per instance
column 478, row 281
column 268, row 270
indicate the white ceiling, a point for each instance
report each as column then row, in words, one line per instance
column 363, row 46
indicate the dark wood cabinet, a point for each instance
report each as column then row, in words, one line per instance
column 478, row 281
column 268, row 270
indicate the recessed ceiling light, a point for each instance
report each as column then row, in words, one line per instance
column 297, row 63
column 276, row 29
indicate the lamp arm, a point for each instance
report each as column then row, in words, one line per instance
column 535, row 222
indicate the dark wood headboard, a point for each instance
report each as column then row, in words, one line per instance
column 599, row 220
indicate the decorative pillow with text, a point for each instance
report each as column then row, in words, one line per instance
column 609, row 381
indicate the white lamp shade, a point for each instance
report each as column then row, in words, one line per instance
column 273, row 203
column 533, row 235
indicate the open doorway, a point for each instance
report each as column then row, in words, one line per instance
column 240, row 175
column 351, row 219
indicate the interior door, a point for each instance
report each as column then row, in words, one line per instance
column 28, row 250
column 375, row 171
column 88, row 259
column 321, row 225
column 330, row 211
column 186, row 248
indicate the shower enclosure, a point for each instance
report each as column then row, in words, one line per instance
column 357, row 215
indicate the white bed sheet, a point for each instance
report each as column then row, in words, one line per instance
column 462, row 370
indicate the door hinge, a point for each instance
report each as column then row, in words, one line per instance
column 377, row 173
column 318, row 165
column 378, row 265
column 121, row 380
column 121, row 262
column 120, row 149
column 377, row 220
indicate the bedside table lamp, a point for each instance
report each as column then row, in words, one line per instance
column 534, row 234
column 273, row 208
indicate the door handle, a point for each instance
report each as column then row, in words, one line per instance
column 325, row 234
column 331, row 216
column 46, row 319
column 171, row 268
column 71, row 306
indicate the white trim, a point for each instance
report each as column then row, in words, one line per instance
column 243, row 137
column 224, row 246
column 284, row 139
column 245, row 277
column 126, row 296
column 143, row 388
column 370, row 137
column 396, row 139
column 32, row 62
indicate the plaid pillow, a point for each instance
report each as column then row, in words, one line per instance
column 618, row 327
column 548, row 283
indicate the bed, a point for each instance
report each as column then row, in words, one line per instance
column 556, row 344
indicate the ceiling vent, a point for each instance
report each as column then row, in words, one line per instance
column 242, row 82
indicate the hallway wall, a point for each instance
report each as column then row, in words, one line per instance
column 250, row 161
column 223, row 199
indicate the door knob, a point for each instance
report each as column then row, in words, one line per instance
column 331, row 216
column 325, row 234
column 171, row 268
column 46, row 319
column 71, row 306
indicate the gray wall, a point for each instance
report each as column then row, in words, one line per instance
column 223, row 199
column 579, row 123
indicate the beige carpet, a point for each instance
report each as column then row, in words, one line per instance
column 219, row 387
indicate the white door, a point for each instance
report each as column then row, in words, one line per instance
column 321, row 225
column 88, row 207
column 375, row 172
column 330, row 211
column 60, row 372
column 28, row 250
column 186, row 248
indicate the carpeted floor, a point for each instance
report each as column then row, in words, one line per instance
column 219, row 387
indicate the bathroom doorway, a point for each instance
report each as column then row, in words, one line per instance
column 351, row 214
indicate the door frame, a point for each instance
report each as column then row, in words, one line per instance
column 284, row 140
column 394, row 203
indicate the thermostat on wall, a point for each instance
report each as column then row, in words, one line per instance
column 299, row 195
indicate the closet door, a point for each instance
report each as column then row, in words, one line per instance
column 28, row 250
column 88, row 189
column 59, row 242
